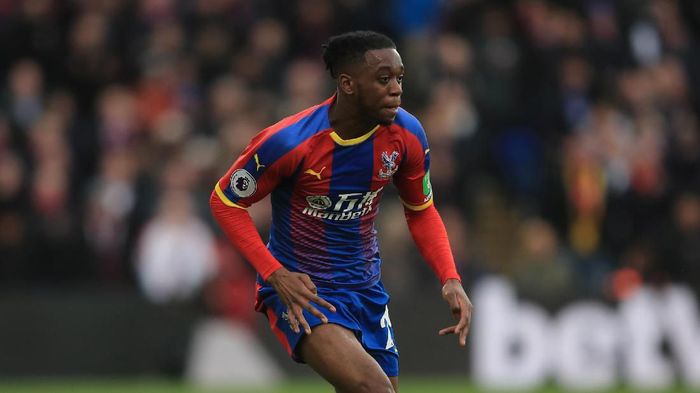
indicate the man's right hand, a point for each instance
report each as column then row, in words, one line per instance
column 297, row 291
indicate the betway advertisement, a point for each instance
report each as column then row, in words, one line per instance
column 649, row 341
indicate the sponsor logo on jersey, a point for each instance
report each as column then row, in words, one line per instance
column 345, row 207
column 389, row 163
column 320, row 202
column 243, row 183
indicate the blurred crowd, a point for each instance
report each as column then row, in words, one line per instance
column 564, row 136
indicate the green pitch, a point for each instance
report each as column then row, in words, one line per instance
column 408, row 385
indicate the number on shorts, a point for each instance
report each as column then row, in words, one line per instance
column 386, row 324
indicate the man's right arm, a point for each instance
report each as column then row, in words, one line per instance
column 241, row 232
column 295, row 289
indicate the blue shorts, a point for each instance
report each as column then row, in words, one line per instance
column 363, row 311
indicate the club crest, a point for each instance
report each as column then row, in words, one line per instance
column 389, row 164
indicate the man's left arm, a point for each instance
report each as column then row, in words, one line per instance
column 429, row 234
column 413, row 182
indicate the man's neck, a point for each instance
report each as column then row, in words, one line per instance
column 347, row 120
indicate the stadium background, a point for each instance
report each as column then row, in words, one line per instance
column 564, row 137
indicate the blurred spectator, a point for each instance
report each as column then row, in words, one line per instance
column 400, row 268
column 462, row 242
column 303, row 88
column 231, row 293
column 25, row 101
column 90, row 64
column 543, row 272
column 119, row 119
column 13, row 217
column 176, row 254
column 110, row 203
column 636, row 263
column 680, row 246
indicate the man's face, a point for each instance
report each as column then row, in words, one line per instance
column 379, row 84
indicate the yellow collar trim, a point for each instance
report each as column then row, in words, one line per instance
column 353, row 141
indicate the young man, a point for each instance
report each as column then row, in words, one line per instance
column 326, row 167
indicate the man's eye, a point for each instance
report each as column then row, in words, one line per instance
column 399, row 79
column 384, row 79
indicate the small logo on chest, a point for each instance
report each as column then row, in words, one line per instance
column 314, row 173
column 389, row 164
column 258, row 165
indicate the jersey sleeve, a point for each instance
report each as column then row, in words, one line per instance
column 257, row 171
column 413, row 177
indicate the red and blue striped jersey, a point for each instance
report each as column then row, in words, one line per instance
column 326, row 190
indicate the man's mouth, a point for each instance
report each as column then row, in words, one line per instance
column 393, row 110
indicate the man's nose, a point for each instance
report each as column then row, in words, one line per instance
column 395, row 88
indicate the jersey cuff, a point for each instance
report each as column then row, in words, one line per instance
column 415, row 208
column 224, row 198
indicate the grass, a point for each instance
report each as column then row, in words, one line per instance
column 408, row 385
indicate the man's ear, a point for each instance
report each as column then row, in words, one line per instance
column 346, row 84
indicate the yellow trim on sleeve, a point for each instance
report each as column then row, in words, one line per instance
column 353, row 141
column 419, row 207
column 224, row 198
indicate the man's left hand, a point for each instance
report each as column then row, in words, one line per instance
column 461, row 308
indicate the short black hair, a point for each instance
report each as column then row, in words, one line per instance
column 350, row 47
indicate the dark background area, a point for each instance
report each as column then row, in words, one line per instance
column 564, row 137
